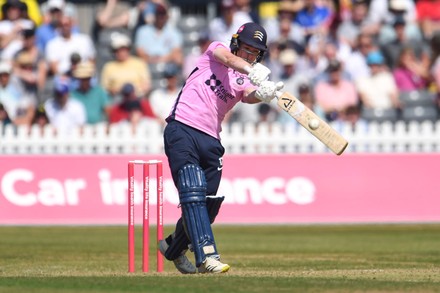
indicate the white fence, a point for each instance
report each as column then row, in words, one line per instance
column 237, row 138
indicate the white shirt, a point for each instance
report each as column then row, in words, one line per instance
column 60, row 49
column 162, row 101
column 6, row 28
column 377, row 90
column 219, row 31
column 65, row 119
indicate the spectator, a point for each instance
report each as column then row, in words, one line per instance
column 410, row 74
column 190, row 60
column 25, row 77
column 382, row 14
column 379, row 90
column 67, row 8
column 13, row 22
column 434, row 65
column 161, row 41
column 40, row 119
column 20, row 108
column 392, row 49
column 4, row 117
column 31, row 11
column 222, row 27
column 131, row 109
column 162, row 99
column 56, row 9
column 60, row 49
column 93, row 97
column 30, row 65
column 282, row 25
column 245, row 7
column 428, row 17
column 125, row 68
column 349, row 30
column 133, row 18
column 315, row 18
column 291, row 78
column 356, row 63
column 335, row 94
column 64, row 113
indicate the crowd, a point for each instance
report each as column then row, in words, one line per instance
column 343, row 58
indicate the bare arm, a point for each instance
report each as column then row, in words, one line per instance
column 105, row 19
column 228, row 59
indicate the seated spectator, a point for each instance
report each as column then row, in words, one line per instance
column 428, row 17
column 383, row 14
column 47, row 31
column 60, row 49
column 125, row 68
column 14, row 21
column 30, row 65
column 190, row 60
column 282, row 27
column 335, row 94
column 31, row 10
column 391, row 49
column 356, row 63
column 410, row 74
column 40, row 119
column 315, row 18
column 132, row 18
column 20, row 107
column 434, row 66
column 222, row 27
column 289, row 75
column 132, row 108
column 93, row 97
column 64, row 113
column 379, row 90
column 67, row 8
column 4, row 117
column 25, row 77
column 163, row 99
column 161, row 41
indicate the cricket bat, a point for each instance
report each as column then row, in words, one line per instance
column 310, row 121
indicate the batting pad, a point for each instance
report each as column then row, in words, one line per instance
column 192, row 193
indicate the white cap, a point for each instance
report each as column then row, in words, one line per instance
column 119, row 40
column 59, row 4
column 287, row 57
column 5, row 67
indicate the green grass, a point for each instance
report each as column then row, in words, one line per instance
column 348, row 258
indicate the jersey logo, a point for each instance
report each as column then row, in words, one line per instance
column 240, row 80
column 219, row 90
column 213, row 82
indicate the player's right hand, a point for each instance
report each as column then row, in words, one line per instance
column 258, row 73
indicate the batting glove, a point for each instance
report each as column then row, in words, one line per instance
column 258, row 73
column 267, row 90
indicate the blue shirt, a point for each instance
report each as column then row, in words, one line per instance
column 309, row 20
column 158, row 43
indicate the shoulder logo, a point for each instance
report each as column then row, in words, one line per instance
column 240, row 80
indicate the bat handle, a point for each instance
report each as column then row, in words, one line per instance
column 279, row 86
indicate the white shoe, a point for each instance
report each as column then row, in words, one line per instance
column 212, row 265
column 181, row 263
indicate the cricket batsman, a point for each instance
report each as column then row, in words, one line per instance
column 224, row 75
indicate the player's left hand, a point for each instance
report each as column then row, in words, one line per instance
column 267, row 90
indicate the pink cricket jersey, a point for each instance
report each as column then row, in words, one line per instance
column 209, row 93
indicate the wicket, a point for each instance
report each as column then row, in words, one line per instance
column 146, row 216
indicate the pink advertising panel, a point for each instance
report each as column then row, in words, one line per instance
column 258, row 189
